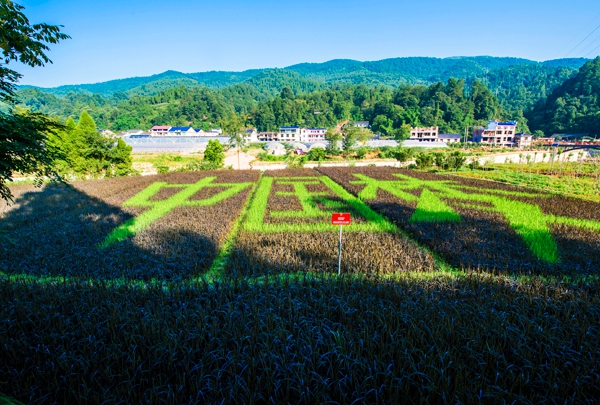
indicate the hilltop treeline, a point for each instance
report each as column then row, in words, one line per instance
column 452, row 106
column 522, row 93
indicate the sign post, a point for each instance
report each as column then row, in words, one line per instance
column 340, row 219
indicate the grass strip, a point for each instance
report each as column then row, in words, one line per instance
column 220, row 262
column 163, row 207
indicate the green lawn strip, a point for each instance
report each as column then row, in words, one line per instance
column 258, row 207
column 216, row 269
column 255, row 220
column 442, row 264
column 5, row 400
column 575, row 222
column 163, row 207
column 432, row 209
column 527, row 220
column 448, row 273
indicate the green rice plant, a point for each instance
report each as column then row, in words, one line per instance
column 159, row 209
column 435, row 199
column 308, row 200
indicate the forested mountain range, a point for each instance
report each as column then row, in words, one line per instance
column 387, row 72
column 574, row 106
column 452, row 93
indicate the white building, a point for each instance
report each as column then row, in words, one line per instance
column 182, row 131
column 523, row 140
column 312, row 134
column 250, row 135
column 449, row 138
column 429, row 134
column 496, row 133
column 289, row 134
column 160, row 130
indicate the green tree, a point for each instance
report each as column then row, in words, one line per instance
column 402, row 133
column 402, row 154
column 334, row 138
column 316, row 154
column 424, row 160
column 383, row 125
column 24, row 146
column 214, row 153
column 121, row 159
column 354, row 135
column 234, row 127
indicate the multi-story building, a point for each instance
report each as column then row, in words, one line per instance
column 424, row 134
column 523, row 140
column 312, row 134
column 289, row 134
column 496, row 133
column 268, row 136
column 160, row 130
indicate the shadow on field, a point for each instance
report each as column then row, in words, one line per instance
column 335, row 341
column 55, row 232
column 485, row 241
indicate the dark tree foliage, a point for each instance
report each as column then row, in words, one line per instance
column 24, row 148
column 572, row 107
column 23, row 138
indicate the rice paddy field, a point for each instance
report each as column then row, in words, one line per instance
column 222, row 287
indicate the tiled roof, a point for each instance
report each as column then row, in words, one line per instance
column 173, row 129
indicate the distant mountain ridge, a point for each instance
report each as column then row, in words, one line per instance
column 311, row 76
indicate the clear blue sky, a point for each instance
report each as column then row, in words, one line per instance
column 114, row 39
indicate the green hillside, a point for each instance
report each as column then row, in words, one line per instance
column 574, row 106
column 387, row 72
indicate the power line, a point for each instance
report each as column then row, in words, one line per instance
column 592, row 51
column 590, row 44
column 572, row 39
column 583, row 40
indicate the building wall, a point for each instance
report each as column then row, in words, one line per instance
column 497, row 133
column 424, row 134
column 312, row 134
column 289, row 134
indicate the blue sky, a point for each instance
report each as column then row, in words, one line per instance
column 115, row 39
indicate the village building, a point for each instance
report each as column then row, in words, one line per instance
column 523, row 140
column 312, row 134
column 289, row 134
column 268, row 136
column 250, row 135
column 182, row 131
column 496, row 133
column 449, row 138
column 160, row 130
column 429, row 134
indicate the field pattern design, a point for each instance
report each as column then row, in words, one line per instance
column 526, row 219
column 309, row 202
column 161, row 208
column 480, row 224
column 288, row 229
column 221, row 287
column 165, row 227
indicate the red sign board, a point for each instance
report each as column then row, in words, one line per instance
column 339, row 218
